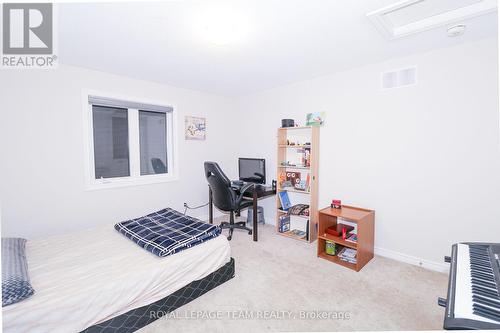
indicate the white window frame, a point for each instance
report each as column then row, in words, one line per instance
column 135, row 178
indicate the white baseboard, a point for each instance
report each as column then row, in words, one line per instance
column 427, row 264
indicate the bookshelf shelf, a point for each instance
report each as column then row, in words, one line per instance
column 307, row 160
column 365, row 223
column 338, row 240
column 282, row 212
column 294, row 146
column 294, row 167
column 290, row 235
column 293, row 190
column 336, row 260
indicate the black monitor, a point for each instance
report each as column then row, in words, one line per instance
column 252, row 170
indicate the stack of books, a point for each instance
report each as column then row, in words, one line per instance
column 347, row 254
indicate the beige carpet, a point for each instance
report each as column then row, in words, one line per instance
column 279, row 280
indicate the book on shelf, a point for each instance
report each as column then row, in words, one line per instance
column 298, row 233
column 353, row 238
column 294, row 180
column 282, row 180
column 306, row 157
column 293, row 177
column 284, row 200
column 348, row 254
column 307, row 229
column 303, row 184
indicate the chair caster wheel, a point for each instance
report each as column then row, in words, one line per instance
column 229, row 238
column 250, row 232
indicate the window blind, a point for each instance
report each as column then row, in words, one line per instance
column 111, row 102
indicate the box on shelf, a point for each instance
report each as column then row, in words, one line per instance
column 284, row 223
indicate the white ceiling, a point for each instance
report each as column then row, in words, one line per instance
column 278, row 41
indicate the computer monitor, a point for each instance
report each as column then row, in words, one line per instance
column 252, row 170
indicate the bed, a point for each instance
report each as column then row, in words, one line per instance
column 99, row 281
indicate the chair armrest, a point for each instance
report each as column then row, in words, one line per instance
column 242, row 192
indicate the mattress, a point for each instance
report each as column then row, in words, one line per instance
column 88, row 277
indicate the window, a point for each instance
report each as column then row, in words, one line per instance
column 130, row 142
column 153, row 135
column 111, row 153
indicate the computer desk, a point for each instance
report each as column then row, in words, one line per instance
column 254, row 193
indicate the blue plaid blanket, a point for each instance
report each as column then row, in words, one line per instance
column 167, row 231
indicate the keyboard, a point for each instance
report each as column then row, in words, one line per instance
column 473, row 300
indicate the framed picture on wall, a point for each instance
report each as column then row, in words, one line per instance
column 315, row 119
column 195, row 128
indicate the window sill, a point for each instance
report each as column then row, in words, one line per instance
column 110, row 183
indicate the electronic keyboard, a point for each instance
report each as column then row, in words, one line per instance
column 473, row 300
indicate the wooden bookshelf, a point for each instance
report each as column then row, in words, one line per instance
column 365, row 221
column 310, row 142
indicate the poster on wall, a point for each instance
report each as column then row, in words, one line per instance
column 315, row 119
column 195, row 128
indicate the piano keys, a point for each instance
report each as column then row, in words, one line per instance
column 473, row 300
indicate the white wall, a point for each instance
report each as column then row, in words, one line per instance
column 42, row 153
column 426, row 158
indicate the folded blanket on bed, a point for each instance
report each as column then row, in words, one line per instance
column 15, row 279
column 167, row 231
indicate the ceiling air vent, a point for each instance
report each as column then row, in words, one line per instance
column 399, row 78
column 408, row 17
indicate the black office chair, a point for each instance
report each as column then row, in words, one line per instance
column 158, row 165
column 225, row 198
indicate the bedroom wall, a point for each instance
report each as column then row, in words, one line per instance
column 41, row 137
column 426, row 157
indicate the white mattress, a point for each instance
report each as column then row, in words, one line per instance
column 89, row 277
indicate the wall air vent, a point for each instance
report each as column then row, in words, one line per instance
column 408, row 17
column 399, row 78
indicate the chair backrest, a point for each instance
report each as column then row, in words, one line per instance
column 223, row 196
column 158, row 165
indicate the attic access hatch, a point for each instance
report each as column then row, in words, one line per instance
column 413, row 16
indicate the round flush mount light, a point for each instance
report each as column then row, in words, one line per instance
column 456, row 30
